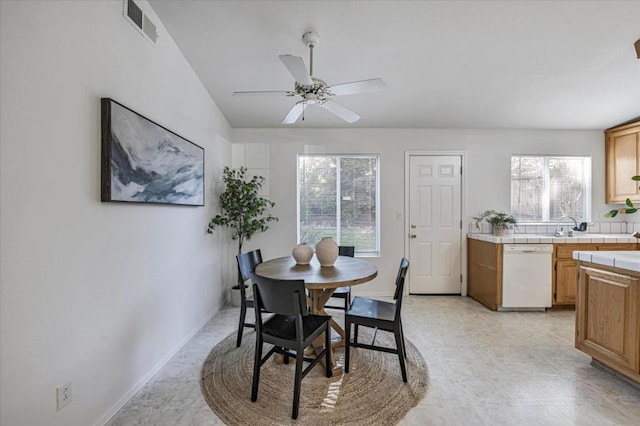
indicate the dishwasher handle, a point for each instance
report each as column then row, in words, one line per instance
column 528, row 248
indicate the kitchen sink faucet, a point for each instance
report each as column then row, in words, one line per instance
column 559, row 232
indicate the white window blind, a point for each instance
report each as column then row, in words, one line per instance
column 338, row 197
column 544, row 188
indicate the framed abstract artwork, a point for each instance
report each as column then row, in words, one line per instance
column 143, row 162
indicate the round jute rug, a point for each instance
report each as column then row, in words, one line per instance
column 373, row 392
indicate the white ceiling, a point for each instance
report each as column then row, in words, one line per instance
column 447, row 64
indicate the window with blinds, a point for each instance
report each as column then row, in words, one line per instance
column 544, row 188
column 338, row 197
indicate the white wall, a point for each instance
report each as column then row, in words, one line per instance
column 486, row 177
column 94, row 293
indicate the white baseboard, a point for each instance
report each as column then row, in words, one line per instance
column 143, row 381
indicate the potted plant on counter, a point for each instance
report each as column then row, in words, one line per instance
column 500, row 221
column 244, row 212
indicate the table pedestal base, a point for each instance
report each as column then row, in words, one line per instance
column 317, row 300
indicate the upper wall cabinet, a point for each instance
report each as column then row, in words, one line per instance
column 622, row 145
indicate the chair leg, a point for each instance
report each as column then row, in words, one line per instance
column 355, row 333
column 327, row 346
column 347, row 301
column 347, row 346
column 243, row 314
column 297, row 382
column 404, row 347
column 400, row 349
column 256, row 368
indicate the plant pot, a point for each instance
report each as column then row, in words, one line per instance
column 498, row 230
column 236, row 295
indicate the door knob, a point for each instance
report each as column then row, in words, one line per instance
column 412, row 235
column 413, row 227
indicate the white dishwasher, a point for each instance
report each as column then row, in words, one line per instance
column 526, row 277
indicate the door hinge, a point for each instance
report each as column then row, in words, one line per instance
column 460, row 278
column 460, row 223
column 460, row 170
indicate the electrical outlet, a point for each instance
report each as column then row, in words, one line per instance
column 64, row 395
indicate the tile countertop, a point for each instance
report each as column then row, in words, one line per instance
column 550, row 239
column 629, row 260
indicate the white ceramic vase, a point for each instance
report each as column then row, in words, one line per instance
column 327, row 251
column 302, row 253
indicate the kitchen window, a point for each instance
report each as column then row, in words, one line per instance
column 544, row 188
column 338, row 197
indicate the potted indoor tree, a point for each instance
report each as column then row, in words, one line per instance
column 244, row 212
column 500, row 221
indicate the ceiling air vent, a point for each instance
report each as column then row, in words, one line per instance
column 140, row 21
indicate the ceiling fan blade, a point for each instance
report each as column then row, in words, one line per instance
column 265, row 93
column 363, row 86
column 294, row 113
column 298, row 70
column 341, row 111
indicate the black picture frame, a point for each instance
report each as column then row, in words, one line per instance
column 144, row 162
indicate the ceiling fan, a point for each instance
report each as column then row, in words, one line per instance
column 312, row 90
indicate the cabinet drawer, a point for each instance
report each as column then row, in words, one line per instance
column 565, row 251
column 617, row 247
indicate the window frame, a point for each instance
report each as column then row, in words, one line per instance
column 376, row 252
column 587, row 181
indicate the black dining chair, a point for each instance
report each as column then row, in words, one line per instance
column 379, row 315
column 290, row 330
column 247, row 263
column 343, row 292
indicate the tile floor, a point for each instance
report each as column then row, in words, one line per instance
column 485, row 368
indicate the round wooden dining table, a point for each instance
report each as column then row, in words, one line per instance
column 321, row 282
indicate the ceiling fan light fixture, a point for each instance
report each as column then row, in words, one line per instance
column 313, row 90
column 311, row 38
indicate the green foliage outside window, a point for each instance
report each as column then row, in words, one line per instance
column 337, row 198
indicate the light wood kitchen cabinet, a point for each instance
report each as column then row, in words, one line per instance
column 607, row 317
column 484, row 270
column 564, row 292
column 484, row 274
column 565, row 268
column 622, row 159
column 564, row 279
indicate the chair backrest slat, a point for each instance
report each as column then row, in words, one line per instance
column 247, row 263
column 276, row 295
column 347, row 251
column 402, row 273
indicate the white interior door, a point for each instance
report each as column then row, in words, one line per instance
column 435, row 227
